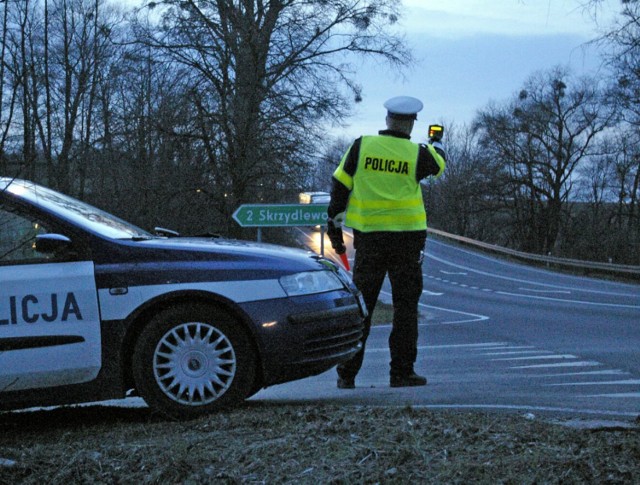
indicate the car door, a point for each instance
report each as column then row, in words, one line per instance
column 49, row 318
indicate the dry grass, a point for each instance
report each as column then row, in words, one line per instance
column 382, row 314
column 262, row 443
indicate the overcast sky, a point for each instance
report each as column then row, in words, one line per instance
column 473, row 51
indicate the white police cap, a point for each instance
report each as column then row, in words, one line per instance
column 404, row 107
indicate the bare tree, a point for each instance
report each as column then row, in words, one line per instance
column 467, row 193
column 320, row 176
column 541, row 137
column 8, row 90
column 263, row 74
column 72, row 64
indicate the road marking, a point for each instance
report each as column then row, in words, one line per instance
column 517, row 280
column 453, row 272
column 619, row 395
column 439, row 347
column 591, row 303
column 474, row 317
column 519, row 352
column 431, row 293
column 627, row 382
column 457, row 346
column 538, row 357
column 609, row 372
column 511, row 347
column 545, row 291
column 587, row 363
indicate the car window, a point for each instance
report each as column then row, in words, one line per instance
column 17, row 238
column 75, row 211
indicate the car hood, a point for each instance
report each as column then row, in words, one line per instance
column 221, row 252
column 199, row 259
column 223, row 245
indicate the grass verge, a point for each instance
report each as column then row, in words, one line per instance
column 382, row 314
column 264, row 443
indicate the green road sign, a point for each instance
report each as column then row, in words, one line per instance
column 280, row 215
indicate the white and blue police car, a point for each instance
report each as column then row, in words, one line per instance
column 92, row 307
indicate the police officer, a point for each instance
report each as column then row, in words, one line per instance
column 377, row 187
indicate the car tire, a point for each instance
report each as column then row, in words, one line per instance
column 193, row 360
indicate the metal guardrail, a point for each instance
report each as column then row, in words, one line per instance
column 619, row 269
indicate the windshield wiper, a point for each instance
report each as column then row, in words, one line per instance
column 161, row 231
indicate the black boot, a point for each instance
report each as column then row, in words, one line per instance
column 407, row 380
column 346, row 383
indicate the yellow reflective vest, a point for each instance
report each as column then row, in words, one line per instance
column 385, row 195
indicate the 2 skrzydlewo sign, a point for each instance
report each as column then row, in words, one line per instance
column 280, row 215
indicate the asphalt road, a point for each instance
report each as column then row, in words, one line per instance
column 503, row 336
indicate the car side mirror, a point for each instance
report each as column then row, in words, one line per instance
column 55, row 244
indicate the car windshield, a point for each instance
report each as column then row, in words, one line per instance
column 73, row 210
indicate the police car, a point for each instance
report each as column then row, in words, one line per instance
column 92, row 307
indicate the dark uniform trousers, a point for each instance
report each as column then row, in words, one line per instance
column 398, row 254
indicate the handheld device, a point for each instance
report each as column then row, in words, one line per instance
column 436, row 132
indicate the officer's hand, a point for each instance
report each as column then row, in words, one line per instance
column 334, row 232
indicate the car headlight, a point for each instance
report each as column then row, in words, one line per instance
column 344, row 276
column 310, row 282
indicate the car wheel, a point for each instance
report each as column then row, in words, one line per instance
column 192, row 360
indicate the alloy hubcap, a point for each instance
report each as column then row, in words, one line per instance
column 194, row 363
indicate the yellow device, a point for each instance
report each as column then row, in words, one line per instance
column 436, row 132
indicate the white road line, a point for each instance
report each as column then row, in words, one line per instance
column 584, row 363
column 457, row 346
column 518, row 352
column 431, row 293
column 618, row 395
column 590, row 303
column 473, row 316
column 453, row 272
column 609, row 372
column 512, row 347
column 440, row 347
column 627, row 382
column 517, row 280
column 539, row 357
column 545, row 291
